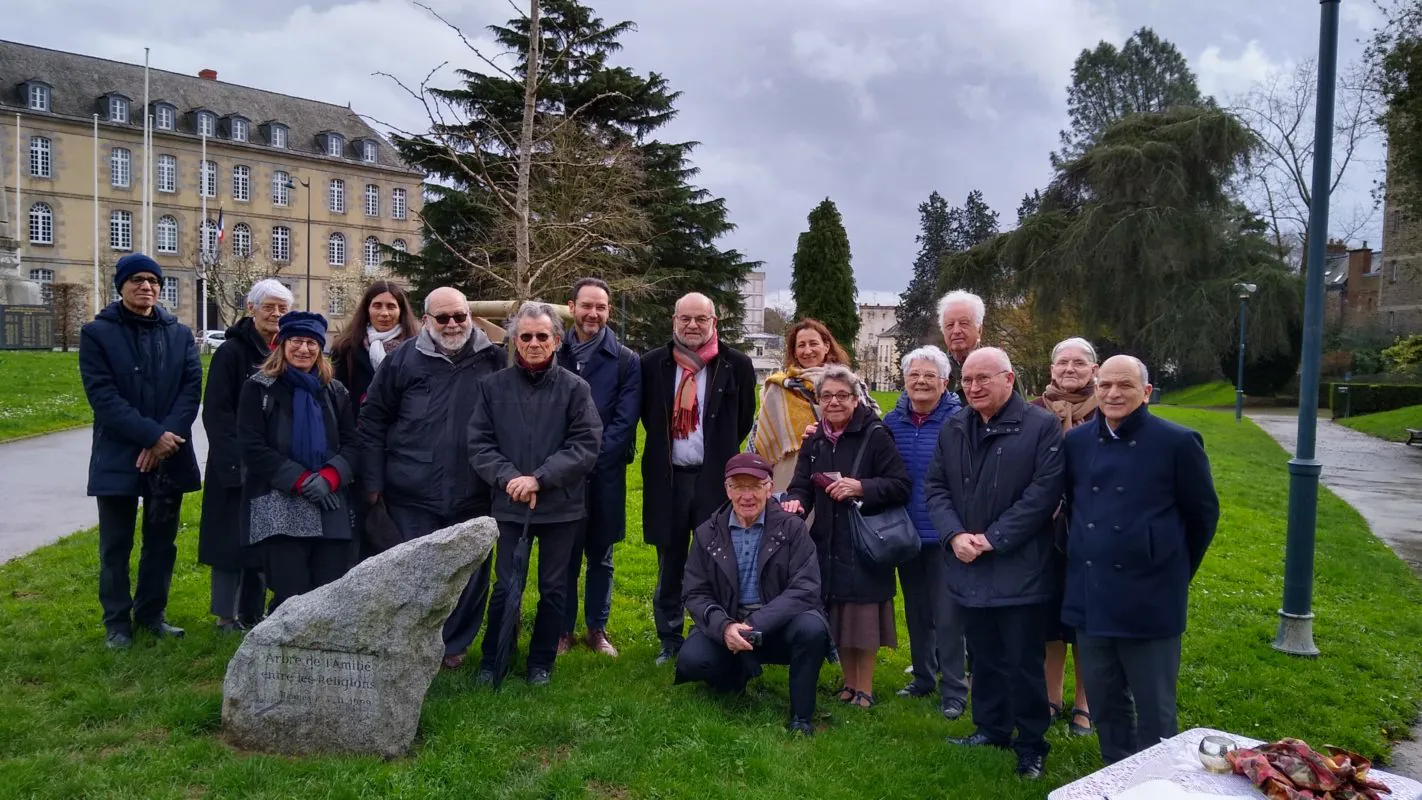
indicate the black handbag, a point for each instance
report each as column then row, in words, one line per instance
column 888, row 538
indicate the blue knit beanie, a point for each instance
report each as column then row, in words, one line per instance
column 302, row 323
column 131, row 265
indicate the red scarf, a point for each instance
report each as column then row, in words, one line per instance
column 686, row 413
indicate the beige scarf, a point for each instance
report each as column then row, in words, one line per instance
column 1071, row 408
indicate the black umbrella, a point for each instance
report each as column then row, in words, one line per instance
column 513, row 603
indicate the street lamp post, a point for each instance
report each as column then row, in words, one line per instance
column 307, row 186
column 1295, row 634
column 1245, row 290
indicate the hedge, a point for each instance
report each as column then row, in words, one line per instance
column 1369, row 398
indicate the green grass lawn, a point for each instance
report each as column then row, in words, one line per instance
column 1387, row 424
column 79, row 721
column 1219, row 393
column 39, row 393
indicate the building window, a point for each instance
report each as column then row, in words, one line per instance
column 208, row 238
column 336, row 250
column 1392, row 322
column 335, row 145
column 338, row 196
column 278, row 136
column 45, row 278
column 281, row 188
column 1394, row 220
column 281, row 243
column 372, row 200
column 400, row 249
column 40, row 163
column 118, row 109
column 336, row 301
column 167, row 173
column 207, row 182
column 120, row 167
column 372, row 255
column 165, row 117
column 397, row 203
column 206, row 124
column 367, row 151
column 239, row 130
column 39, row 97
column 1392, row 271
column 166, row 238
column 169, row 294
column 121, row 230
column 41, row 224
column 242, row 183
column 241, row 240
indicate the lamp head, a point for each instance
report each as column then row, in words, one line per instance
column 1245, row 290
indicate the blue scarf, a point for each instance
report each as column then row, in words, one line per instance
column 581, row 350
column 308, row 424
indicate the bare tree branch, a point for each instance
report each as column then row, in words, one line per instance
column 468, row 44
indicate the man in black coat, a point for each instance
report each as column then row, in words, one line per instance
column 698, row 404
column 143, row 379
column 752, row 571
column 415, row 444
column 238, row 592
column 1142, row 512
column 591, row 350
column 995, row 480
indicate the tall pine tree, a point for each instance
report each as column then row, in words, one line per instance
column 821, row 277
column 917, row 322
column 973, row 224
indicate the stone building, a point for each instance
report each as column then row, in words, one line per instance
column 268, row 156
column 1397, row 277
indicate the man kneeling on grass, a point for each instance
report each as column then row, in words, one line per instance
column 752, row 586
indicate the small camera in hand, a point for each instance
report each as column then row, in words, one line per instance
column 753, row 637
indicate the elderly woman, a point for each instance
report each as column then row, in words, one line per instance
column 1072, row 397
column 296, row 425
column 534, row 436
column 238, row 593
column 382, row 321
column 859, row 596
column 787, row 402
column 935, row 627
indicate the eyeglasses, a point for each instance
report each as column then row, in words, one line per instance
column 982, row 380
column 836, row 397
column 744, row 488
column 443, row 319
column 687, row 320
column 922, row 376
column 139, row 280
column 541, row 336
column 303, row 344
column 269, row 308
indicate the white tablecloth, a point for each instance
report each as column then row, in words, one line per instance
column 1177, row 760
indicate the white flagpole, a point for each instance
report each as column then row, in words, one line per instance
column 19, row 174
column 98, row 283
column 205, row 258
column 147, row 143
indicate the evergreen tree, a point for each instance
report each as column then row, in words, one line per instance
column 1029, row 205
column 973, row 224
column 917, row 314
column 821, row 277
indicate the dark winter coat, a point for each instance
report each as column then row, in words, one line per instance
column 143, row 378
column 238, row 358
column 1006, row 487
column 614, row 375
column 353, row 369
column 414, row 427
column 728, row 416
column 847, row 577
column 917, row 444
column 264, row 420
column 544, row 425
column 789, row 572
column 1142, row 512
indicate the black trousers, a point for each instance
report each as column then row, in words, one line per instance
column 935, row 625
column 555, row 542
column 237, row 594
column 1009, row 647
column 803, row 644
column 1131, row 683
column 464, row 621
column 296, row 565
column 117, row 517
column 667, row 610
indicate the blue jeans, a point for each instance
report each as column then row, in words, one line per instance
column 597, row 589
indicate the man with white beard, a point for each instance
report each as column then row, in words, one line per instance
column 415, row 455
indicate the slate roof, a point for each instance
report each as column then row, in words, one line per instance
column 78, row 82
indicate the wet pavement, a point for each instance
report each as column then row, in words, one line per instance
column 43, row 497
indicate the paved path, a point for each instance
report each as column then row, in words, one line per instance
column 42, row 483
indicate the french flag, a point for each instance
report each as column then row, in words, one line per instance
column 221, row 232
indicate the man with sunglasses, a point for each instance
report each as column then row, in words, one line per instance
column 698, row 403
column 415, row 454
column 143, row 379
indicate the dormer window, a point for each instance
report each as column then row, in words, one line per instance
column 37, row 96
column 276, row 134
column 368, row 151
column 237, row 128
column 334, row 144
column 205, row 123
column 165, row 116
column 118, row 108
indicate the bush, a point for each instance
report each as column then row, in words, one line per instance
column 1405, row 356
column 1369, row 398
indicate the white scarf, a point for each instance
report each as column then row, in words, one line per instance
column 375, row 342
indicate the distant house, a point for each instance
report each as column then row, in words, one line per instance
column 873, row 350
column 1394, row 277
column 767, row 353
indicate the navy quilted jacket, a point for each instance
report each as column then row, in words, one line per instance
column 916, row 445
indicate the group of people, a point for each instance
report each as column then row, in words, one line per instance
column 1076, row 518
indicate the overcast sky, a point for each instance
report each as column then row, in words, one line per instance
column 873, row 103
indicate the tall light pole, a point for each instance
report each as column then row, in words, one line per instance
column 1245, row 290
column 1295, row 634
column 307, row 186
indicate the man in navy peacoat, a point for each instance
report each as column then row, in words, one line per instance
column 1143, row 510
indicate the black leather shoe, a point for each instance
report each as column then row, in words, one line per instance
column 230, row 627
column 799, row 726
column 484, row 677
column 162, row 630
column 952, row 708
column 915, row 690
column 539, row 677
column 668, row 654
column 1029, row 766
column 118, row 640
column 978, row 739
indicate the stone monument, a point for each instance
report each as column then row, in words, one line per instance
column 345, row 668
column 15, row 289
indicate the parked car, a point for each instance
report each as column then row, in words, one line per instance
column 211, row 340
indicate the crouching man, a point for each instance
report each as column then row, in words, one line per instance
column 752, row 586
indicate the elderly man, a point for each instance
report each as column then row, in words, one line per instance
column 534, row 436
column 753, row 590
column 414, row 445
column 142, row 376
column 591, row 350
column 1143, row 510
column 996, row 478
column 960, row 319
column 698, row 403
